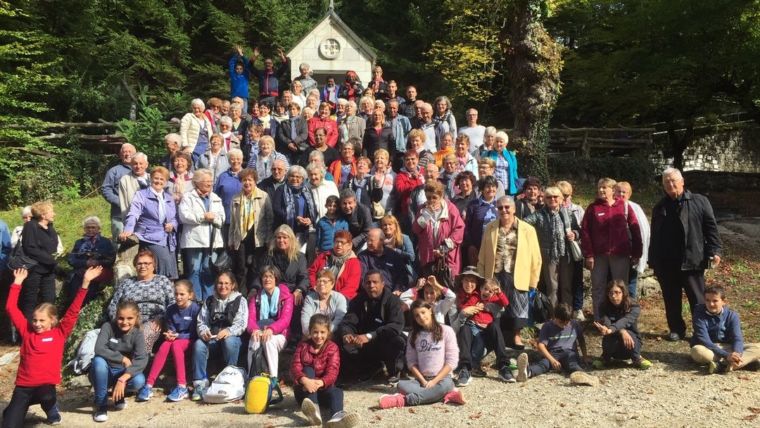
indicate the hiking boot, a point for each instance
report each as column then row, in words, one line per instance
column 389, row 401
column 311, row 411
column 199, row 388
column 674, row 337
column 478, row 372
column 464, row 377
column 505, row 374
column 642, row 363
column 454, row 397
column 343, row 420
column 54, row 415
column 145, row 394
column 522, row 367
column 101, row 414
column 599, row 364
column 179, row 393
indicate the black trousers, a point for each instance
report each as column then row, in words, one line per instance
column 673, row 282
column 387, row 348
column 23, row 397
column 39, row 287
column 491, row 338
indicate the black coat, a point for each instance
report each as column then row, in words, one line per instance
column 372, row 141
column 701, row 238
column 381, row 317
column 359, row 223
column 294, row 273
column 284, row 138
column 40, row 244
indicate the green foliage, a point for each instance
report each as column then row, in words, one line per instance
column 147, row 132
column 91, row 317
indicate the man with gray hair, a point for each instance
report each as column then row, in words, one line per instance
column 172, row 143
column 684, row 242
column 110, row 188
column 475, row 132
column 305, row 78
column 428, row 127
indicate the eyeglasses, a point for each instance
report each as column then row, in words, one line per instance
column 503, row 207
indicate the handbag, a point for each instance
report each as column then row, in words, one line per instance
column 575, row 249
column 219, row 261
column 541, row 309
column 19, row 260
column 441, row 271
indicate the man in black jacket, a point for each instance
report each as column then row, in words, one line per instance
column 684, row 238
column 358, row 217
column 276, row 180
column 371, row 331
column 292, row 135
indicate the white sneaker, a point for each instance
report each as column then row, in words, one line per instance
column 311, row 411
column 343, row 420
column 578, row 315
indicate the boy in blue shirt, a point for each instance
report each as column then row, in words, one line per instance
column 558, row 342
column 717, row 339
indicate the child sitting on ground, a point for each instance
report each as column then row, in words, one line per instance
column 558, row 342
column 618, row 326
column 41, row 352
column 478, row 329
column 120, row 359
column 431, row 291
column 181, row 331
column 431, row 355
column 718, row 340
column 329, row 224
column 314, row 370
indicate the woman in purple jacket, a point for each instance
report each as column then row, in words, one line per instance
column 269, row 313
column 152, row 218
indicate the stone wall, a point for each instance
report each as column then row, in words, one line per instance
column 735, row 149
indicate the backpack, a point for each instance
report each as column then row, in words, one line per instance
column 258, row 393
column 229, row 385
column 85, row 353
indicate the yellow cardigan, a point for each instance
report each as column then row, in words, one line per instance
column 528, row 261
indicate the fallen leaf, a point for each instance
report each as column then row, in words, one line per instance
column 411, row 410
column 754, row 410
column 378, row 417
column 476, row 415
column 750, row 417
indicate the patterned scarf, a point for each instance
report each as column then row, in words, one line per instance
column 291, row 193
column 335, row 263
column 247, row 217
column 557, row 232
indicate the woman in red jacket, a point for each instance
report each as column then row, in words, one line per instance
column 439, row 229
column 344, row 264
column 323, row 120
column 610, row 240
column 314, row 370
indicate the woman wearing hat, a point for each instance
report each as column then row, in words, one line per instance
column 511, row 254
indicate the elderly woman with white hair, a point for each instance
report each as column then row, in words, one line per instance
column 320, row 188
column 228, row 184
column 506, row 163
column 229, row 139
column 293, row 204
column 489, row 141
column 264, row 160
column 444, row 118
column 195, row 129
column 352, row 126
column 202, row 215
column 239, row 123
column 93, row 249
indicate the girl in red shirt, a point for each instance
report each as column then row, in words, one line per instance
column 314, row 370
column 41, row 353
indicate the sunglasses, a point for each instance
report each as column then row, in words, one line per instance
column 503, row 207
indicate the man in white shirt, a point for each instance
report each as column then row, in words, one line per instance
column 473, row 130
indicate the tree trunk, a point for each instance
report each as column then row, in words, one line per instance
column 534, row 64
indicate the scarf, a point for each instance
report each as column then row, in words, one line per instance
column 269, row 305
column 556, row 230
column 291, row 193
column 335, row 263
column 247, row 217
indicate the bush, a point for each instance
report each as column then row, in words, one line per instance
column 640, row 172
column 91, row 317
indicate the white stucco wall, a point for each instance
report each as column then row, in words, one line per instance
column 349, row 56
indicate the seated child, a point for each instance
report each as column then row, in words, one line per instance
column 120, row 359
column 431, row 291
column 431, row 355
column 718, row 340
column 329, row 224
column 618, row 326
column 314, row 370
column 558, row 342
column 41, row 352
column 181, row 331
column 478, row 329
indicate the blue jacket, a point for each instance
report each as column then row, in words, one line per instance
column 183, row 321
column 239, row 82
column 711, row 329
column 227, row 186
column 5, row 245
column 110, row 188
column 393, row 266
column 476, row 220
column 326, row 232
column 142, row 219
column 84, row 249
column 512, row 187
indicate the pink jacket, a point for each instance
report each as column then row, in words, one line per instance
column 284, row 313
column 451, row 228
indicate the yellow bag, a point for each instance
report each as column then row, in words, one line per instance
column 258, row 394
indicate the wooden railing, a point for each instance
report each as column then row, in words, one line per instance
column 587, row 141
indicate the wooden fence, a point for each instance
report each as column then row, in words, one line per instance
column 586, row 142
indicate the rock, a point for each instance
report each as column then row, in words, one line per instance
column 7, row 358
column 583, row 378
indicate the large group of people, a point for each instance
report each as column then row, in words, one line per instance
column 367, row 233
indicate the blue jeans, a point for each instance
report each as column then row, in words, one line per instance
column 230, row 347
column 633, row 282
column 197, row 270
column 416, row 394
column 330, row 397
column 103, row 375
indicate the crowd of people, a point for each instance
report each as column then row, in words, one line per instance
column 364, row 232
